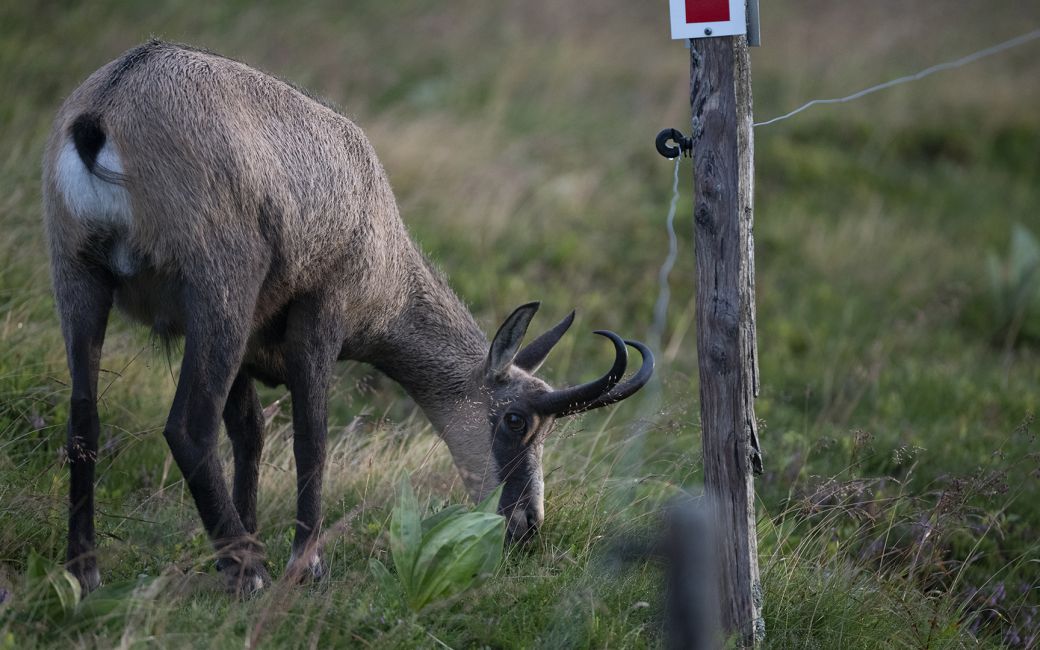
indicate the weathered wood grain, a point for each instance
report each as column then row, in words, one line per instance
column 723, row 154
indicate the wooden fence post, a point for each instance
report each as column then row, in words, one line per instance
column 723, row 155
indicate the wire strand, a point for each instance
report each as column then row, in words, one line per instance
column 664, row 292
column 948, row 65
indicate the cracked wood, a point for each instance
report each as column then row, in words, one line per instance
column 723, row 154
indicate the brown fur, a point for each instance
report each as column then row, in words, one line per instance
column 263, row 228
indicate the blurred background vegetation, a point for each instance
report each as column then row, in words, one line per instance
column 897, row 310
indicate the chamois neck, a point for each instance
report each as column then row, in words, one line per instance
column 435, row 348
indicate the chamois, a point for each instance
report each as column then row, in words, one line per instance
column 210, row 201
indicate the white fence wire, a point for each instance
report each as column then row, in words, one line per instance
column 1028, row 37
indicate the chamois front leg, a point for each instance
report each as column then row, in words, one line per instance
column 213, row 348
column 244, row 420
column 312, row 345
column 84, row 297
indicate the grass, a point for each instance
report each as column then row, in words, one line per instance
column 898, row 507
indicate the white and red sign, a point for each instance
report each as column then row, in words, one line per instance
column 705, row 18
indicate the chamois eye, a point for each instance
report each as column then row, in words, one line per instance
column 515, row 422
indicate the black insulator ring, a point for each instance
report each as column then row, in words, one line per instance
column 685, row 145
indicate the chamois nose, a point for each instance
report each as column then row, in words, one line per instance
column 523, row 524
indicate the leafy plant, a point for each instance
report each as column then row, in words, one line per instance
column 1015, row 286
column 444, row 554
column 51, row 592
column 116, row 600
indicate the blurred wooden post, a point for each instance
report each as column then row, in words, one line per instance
column 723, row 155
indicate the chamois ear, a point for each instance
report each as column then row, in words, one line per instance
column 535, row 352
column 508, row 339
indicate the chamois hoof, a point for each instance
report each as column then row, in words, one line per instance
column 308, row 567
column 89, row 577
column 243, row 580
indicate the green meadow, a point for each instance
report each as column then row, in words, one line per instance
column 898, row 289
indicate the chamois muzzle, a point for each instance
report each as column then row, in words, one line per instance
column 603, row 391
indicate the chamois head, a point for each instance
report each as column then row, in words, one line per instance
column 502, row 424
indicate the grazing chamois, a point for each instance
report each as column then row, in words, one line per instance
column 212, row 201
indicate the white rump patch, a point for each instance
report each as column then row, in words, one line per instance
column 88, row 197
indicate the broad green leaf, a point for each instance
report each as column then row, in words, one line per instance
column 444, row 554
column 488, row 549
column 438, row 517
column 493, row 555
column 1015, row 285
column 490, row 504
column 462, row 567
column 405, row 531
column 36, row 571
column 455, row 554
column 997, row 279
column 109, row 601
column 418, row 597
column 53, row 592
column 379, row 572
column 1025, row 254
column 389, row 589
column 67, row 588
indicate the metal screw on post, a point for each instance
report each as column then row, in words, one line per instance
column 707, row 31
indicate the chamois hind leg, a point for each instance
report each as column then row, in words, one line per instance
column 244, row 420
column 217, row 328
column 84, row 296
column 313, row 339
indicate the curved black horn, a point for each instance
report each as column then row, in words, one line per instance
column 629, row 387
column 534, row 353
column 576, row 398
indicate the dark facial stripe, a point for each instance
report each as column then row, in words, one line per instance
column 515, row 467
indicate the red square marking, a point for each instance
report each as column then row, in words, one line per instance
column 707, row 11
